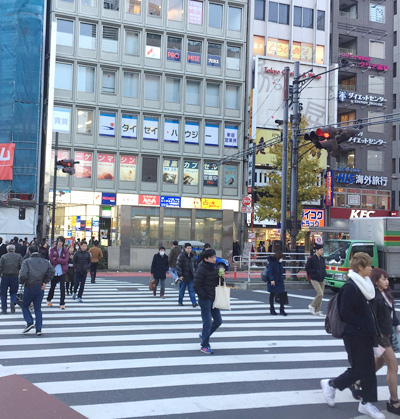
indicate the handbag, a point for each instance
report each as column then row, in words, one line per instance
column 395, row 340
column 152, row 284
column 264, row 274
column 222, row 296
column 282, row 298
column 20, row 295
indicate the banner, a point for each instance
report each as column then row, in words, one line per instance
column 195, row 12
column 211, row 203
column 211, row 134
column 192, row 132
column 230, row 176
column 191, row 173
column 83, row 170
column 170, row 201
column 107, row 124
column 127, row 168
column 170, row 171
column 171, row 131
column 6, row 161
column 105, row 166
column 210, row 175
column 150, row 129
column 61, row 119
column 129, row 126
column 231, row 136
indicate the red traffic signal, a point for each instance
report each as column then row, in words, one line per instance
column 329, row 138
column 67, row 165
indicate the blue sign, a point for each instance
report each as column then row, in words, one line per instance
column 170, row 201
column 96, row 223
column 214, row 60
column 108, row 198
column 194, row 57
column 173, row 55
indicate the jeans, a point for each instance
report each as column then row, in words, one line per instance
column 35, row 295
column 212, row 320
column 57, row 279
column 162, row 286
column 12, row 283
column 182, row 289
column 93, row 271
column 173, row 272
column 319, row 288
column 80, row 279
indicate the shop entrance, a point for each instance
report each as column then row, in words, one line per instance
column 105, row 231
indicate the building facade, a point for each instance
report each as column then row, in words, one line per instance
column 396, row 125
column 147, row 96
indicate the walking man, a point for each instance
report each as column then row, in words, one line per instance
column 3, row 247
column 81, row 263
column 186, row 268
column 59, row 257
column 35, row 273
column 172, row 258
column 10, row 264
column 96, row 254
column 206, row 279
column 159, row 269
column 315, row 268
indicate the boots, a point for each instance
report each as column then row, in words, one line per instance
column 282, row 310
column 271, row 304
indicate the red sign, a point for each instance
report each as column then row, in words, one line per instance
column 6, row 161
column 329, row 188
column 246, row 200
column 149, row 200
column 346, row 213
column 249, row 189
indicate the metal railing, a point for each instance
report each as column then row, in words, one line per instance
column 349, row 14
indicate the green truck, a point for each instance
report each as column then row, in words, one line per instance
column 378, row 236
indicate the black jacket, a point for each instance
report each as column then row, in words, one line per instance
column 356, row 312
column 315, row 268
column 383, row 313
column 159, row 266
column 205, row 281
column 186, row 266
column 81, row 261
column 3, row 249
column 35, row 271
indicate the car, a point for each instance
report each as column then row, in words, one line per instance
column 197, row 248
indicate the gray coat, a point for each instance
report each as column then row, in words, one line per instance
column 10, row 264
column 35, row 271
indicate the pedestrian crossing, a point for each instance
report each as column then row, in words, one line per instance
column 123, row 353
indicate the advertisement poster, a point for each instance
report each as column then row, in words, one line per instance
column 170, row 201
column 231, row 136
column 173, row 55
column 153, row 52
column 129, row 126
column 107, row 124
column 105, row 166
column 211, row 134
column 127, row 168
column 6, row 161
column 210, row 175
column 230, row 176
column 83, row 170
column 150, row 200
column 194, row 58
column 190, row 173
column 195, row 12
column 61, row 119
column 150, row 129
column 263, row 135
column 192, row 132
column 108, row 198
column 211, row 203
column 170, row 171
column 171, row 131
column 313, row 218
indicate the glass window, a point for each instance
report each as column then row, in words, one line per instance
column 297, row 16
column 296, row 51
column 232, row 97
column 111, row 5
column 65, row 32
column 145, row 227
column 215, row 15
column 259, row 9
column 308, row 17
column 86, row 79
column 376, row 85
column 212, row 96
column 84, row 121
column 155, row 8
column 214, row 50
column 394, row 101
column 134, row 7
column 273, row 11
column 320, row 20
column 131, row 43
column 172, row 90
column 131, row 84
column 232, row 57
column 377, row 49
column 63, row 76
column 377, row 13
column 377, row 116
column 395, row 38
column 110, row 39
column 176, row 227
column 234, row 19
column 208, row 227
column 153, row 46
column 192, row 92
column 152, row 87
column 194, row 52
column 272, row 47
column 89, row 3
column 170, row 173
column 194, row 46
column 320, row 54
column 108, row 85
column 149, row 169
column 258, row 45
column 306, row 52
column 87, row 36
column 174, row 48
column 284, row 14
column 175, row 10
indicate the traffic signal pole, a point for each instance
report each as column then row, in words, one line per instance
column 294, row 160
column 53, row 217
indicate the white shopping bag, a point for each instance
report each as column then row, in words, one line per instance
column 222, row 297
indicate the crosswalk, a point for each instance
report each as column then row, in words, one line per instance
column 123, row 353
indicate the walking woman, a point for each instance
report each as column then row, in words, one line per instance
column 383, row 305
column 275, row 283
column 70, row 275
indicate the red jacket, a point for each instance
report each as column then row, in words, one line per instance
column 62, row 260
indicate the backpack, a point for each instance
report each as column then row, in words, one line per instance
column 333, row 323
column 264, row 274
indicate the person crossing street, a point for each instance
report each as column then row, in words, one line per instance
column 81, row 263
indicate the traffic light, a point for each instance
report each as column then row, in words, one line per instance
column 67, row 165
column 329, row 138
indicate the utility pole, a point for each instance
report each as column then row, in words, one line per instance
column 53, row 217
column 286, row 72
column 294, row 160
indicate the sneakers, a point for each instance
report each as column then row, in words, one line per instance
column 329, row 392
column 312, row 309
column 74, row 296
column 62, row 307
column 320, row 314
column 370, row 410
column 49, row 304
column 12, row 307
column 162, row 296
column 180, row 304
column 80, row 300
column 38, row 333
column 176, row 281
column 195, row 305
column 28, row 328
column 207, row 351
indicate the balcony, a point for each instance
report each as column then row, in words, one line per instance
column 348, row 9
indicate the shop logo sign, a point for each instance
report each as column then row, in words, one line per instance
column 361, row 213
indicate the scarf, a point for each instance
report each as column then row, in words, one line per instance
column 364, row 285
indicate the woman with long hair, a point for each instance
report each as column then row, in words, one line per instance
column 383, row 305
column 275, row 283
